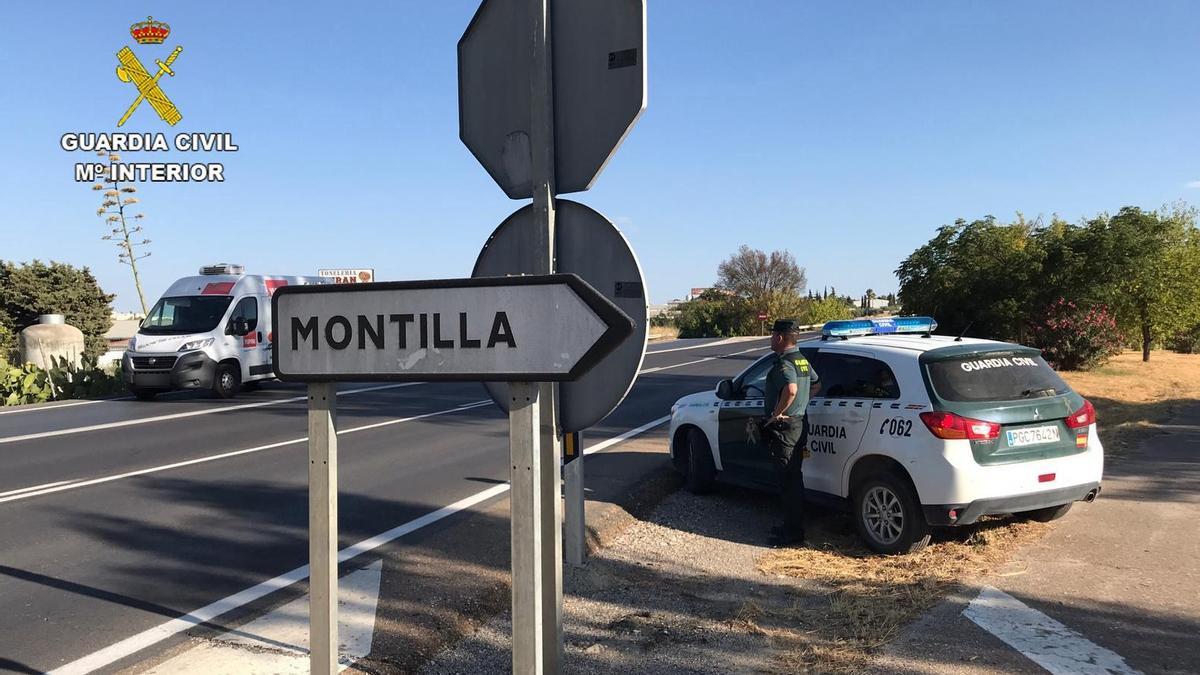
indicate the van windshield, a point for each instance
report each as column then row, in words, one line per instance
column 995, row 376
column 186, row 314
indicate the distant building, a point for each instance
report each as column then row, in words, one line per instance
column 124, row 326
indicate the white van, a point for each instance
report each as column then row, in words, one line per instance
column 211, row 331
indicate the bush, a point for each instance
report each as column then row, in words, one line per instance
column 24, row 384
column 84, row 381
column 816, row 312
column 8, row 341
column 29, row 384
column 1186, row 341
column 1075, row 338
column 30, row 289
column 711, row 315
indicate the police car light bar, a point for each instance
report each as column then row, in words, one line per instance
column 899, row 324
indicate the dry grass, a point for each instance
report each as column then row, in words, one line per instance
column 1131, row 396
column 864, row 600
column 663, row 332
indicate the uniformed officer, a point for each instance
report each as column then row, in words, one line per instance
column 790, row 382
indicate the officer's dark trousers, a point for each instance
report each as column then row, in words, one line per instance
column 787, row 452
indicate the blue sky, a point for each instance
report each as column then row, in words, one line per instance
column 845, row 134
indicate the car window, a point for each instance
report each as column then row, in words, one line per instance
column 995, row 376
column 752, row 383
column 852, row 376
column 247, row 308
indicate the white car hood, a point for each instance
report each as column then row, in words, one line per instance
column 162, row 344
column 702, row 398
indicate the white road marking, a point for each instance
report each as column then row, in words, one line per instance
column 51, row 488
column 152, row 636
column 56, row 406
column 1043, row 640
column 689, row 363
column 192, row 413
column 26, row 409
column 718, row 343
column 34, row 487
column 279, row 641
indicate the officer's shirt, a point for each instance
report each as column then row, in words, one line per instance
column 789, row 367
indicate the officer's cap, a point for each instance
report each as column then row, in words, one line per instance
column 785, row 326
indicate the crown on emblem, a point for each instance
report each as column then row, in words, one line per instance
column 150, row 32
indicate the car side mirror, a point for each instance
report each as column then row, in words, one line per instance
column 725, row 390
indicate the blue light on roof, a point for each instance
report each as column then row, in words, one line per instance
column 899, row 324
column 915, row 324
column 847, row 328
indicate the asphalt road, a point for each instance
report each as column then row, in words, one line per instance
column 116, row 516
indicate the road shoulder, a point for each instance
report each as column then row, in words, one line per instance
column 1122, row 572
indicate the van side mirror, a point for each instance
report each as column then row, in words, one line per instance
column 238, row 327
column 725, row 390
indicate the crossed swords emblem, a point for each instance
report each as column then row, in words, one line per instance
column 132, row 70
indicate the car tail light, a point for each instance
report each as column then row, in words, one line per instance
column 950, row 426
column 1082, row 418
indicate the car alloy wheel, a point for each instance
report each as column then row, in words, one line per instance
column 883, row 515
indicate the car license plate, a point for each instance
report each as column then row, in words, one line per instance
column 1032, row 436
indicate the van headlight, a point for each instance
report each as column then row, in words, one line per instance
column 195, row 344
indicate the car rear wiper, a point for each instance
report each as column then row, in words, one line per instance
column 1035, row 393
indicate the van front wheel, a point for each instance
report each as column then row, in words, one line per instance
column 227, row 381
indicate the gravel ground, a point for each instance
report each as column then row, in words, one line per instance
column 678, row 592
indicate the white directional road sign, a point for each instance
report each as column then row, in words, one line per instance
column 599, row 76
column 534, row 328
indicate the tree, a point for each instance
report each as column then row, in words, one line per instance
column 27, row 290
column 982, row 278
column 713, row 314
column 112, row 209
column 1146, row 267
column 755, row 276
column 816, row 312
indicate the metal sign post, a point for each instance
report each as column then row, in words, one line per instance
column 582, row 98
column 528, row 548
column 322, row 529
column 520, row 330
column 575, row 539
column 547, row 488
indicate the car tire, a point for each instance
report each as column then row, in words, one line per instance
column 142, row 394
column 888, row 516
column 227, row 380
column 701, row 473
column 1047, row 514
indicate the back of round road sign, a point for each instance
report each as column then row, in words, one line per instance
column 589, row 245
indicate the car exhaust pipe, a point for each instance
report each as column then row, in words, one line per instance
column 1091, row 496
